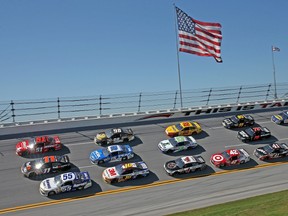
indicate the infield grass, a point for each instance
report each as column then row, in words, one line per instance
column 273, row 204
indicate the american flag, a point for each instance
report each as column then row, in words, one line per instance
column 275, row 49
column 197, row 37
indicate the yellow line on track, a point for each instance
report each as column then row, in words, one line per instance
column 133, row 188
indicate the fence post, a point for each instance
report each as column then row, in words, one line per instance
column 58, row 106
column 208, row 99
column 139, row 103
column 268, row 91
column 12, row 110
column 239, row 93
column 175, row 99
column 100, row 105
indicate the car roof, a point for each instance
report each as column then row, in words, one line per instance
column 188, row 159
column 114, row 148
column 72, row 174
column 180, row 139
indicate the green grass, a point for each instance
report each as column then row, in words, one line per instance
column 273, row 204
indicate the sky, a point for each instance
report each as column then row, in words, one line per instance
column 67, row 48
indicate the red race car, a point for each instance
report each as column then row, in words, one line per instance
column 38, row 145
column 230, row 157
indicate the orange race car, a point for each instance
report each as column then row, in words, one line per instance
column 183, row 129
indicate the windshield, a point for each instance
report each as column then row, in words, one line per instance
column 234, row 119
column 249, row 131
column 37, row 163
column 57, row 180
column 226, row 155
column 105, row 152
column 284, row 114
column 179, row 163
column 179, row 127
column 109, row 133
column 119, row 169
column 268, row 149
column 32, row 142
column 173, row 142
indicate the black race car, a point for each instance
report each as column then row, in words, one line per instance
column 275, row 150
column 253, row 134
column 115, row 135
column 45, row 165
column 238, row 121
column 185, row 164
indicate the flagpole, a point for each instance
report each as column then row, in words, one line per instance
column 177, row 51
column 274, row 74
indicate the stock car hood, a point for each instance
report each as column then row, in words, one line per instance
column 260, row 151
column 101, row 136
column 22, row 146
column 97, row 155
column 110, row 173
column 243, row 134
column 28, row 167
column 48, row 184
column 227, row 122
column 165, row 145
column 277, row 118
column 171, row 130
column 217, row 158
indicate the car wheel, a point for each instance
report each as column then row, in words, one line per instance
column 125, row 140
column 31, row 175
column 51, row 193
column 80, row 188
column 203, row 167
column 100, row 162
column 124, row 158
column 242, row 162
column 222, row 165
column 175, row 173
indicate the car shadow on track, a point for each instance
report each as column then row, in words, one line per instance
column 196, row 151
column 197, row 174
column 277, row 160
column 79, row 193
column 64, row 150
column 202, row 135
column 152, row 177
column 73, row 168
column 249, row 164
column 271, row 139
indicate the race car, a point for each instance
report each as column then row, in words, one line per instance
column 281, row 118
column 176, row 144
column 124, row 172
column 230, row 157
column 185, row 164
column 65, row 182
column 111, row 154
column 238, row 121
column 115, row 135
column 253, row 134
column 47, row 164
column 38, row 145
column 183, row 129
column 275, row 150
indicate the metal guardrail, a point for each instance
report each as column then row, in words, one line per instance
column 58, row 108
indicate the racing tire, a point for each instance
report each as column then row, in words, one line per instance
column 168, row 151
column 203, row 168
column 80, row 188
column 222, row 165
column 125, row 140
column 242, row 162
column 51, row 193
column 124, row 158
column 175, row 174
column 100, row 162
column 32, row 175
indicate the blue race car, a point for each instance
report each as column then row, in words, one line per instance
column 281, row 118
column 65, row 182
column 111, row 153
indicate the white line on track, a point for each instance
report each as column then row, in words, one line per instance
column 242, row 144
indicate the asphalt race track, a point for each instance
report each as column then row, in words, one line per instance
column 156, row 194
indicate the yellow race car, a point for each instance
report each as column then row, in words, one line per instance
column 183, row 129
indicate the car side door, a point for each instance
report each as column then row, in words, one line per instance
column 39, row 147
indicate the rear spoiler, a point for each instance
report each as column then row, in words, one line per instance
column 66, row 158
column 129, row 130
column 200, row 159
